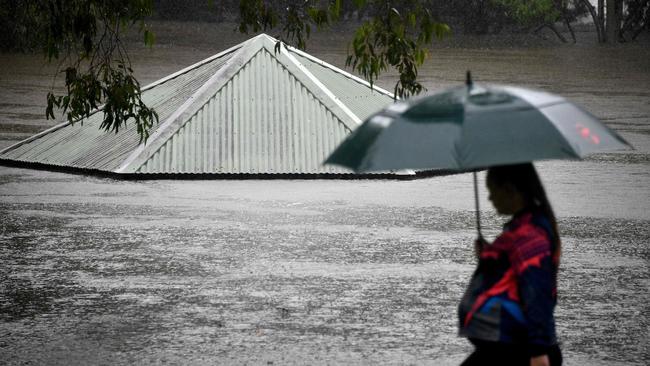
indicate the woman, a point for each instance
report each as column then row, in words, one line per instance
column 507, row 309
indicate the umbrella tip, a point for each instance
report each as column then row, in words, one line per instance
column 469, row 81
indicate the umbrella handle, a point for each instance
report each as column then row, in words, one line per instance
column 478, row 211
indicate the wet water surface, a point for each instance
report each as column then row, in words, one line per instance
column 101, row 271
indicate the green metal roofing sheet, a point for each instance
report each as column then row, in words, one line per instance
column 354, row 93
column 248, row 110
column 85, row 145
column 263, row 120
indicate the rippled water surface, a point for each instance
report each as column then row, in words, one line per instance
column 101, row 271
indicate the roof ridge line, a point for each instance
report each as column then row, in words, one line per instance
column 340, row 71
column 195, row 65
column 322, row 87
column 229, row 69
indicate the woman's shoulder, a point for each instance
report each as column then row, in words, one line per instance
column 525, row 227
column 526, row 220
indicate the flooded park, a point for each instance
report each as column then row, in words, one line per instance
column 98, row 270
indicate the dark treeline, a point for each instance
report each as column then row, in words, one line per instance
column 465, row 16
column 22, row 21
column 19, row 22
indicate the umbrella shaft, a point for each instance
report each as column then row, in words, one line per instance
column 478, row 211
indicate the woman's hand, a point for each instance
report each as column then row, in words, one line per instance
column 540, row 361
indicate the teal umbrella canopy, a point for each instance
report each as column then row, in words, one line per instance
column 473, row 127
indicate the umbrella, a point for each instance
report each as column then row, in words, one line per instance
column 472, row 127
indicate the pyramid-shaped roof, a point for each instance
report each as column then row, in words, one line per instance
column 251, row 109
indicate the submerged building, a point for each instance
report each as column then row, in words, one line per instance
column 253, row 109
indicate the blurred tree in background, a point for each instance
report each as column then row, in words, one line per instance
column 85, row 37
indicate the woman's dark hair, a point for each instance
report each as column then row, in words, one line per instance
column 524, row 178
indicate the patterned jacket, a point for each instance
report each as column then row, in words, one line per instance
column 512, row 293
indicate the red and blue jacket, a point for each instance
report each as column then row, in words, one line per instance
column 512, row 294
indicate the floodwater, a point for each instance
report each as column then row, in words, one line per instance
column 102, row 271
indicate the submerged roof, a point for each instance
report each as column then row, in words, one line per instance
column 251, row 109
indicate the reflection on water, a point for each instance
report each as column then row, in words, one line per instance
column 97, row 271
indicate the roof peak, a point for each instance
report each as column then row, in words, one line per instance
column 264, row 35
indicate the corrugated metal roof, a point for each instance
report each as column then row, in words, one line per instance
column 85, row 145
column 247, row 110
column 263, row 120
column 352, row 91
